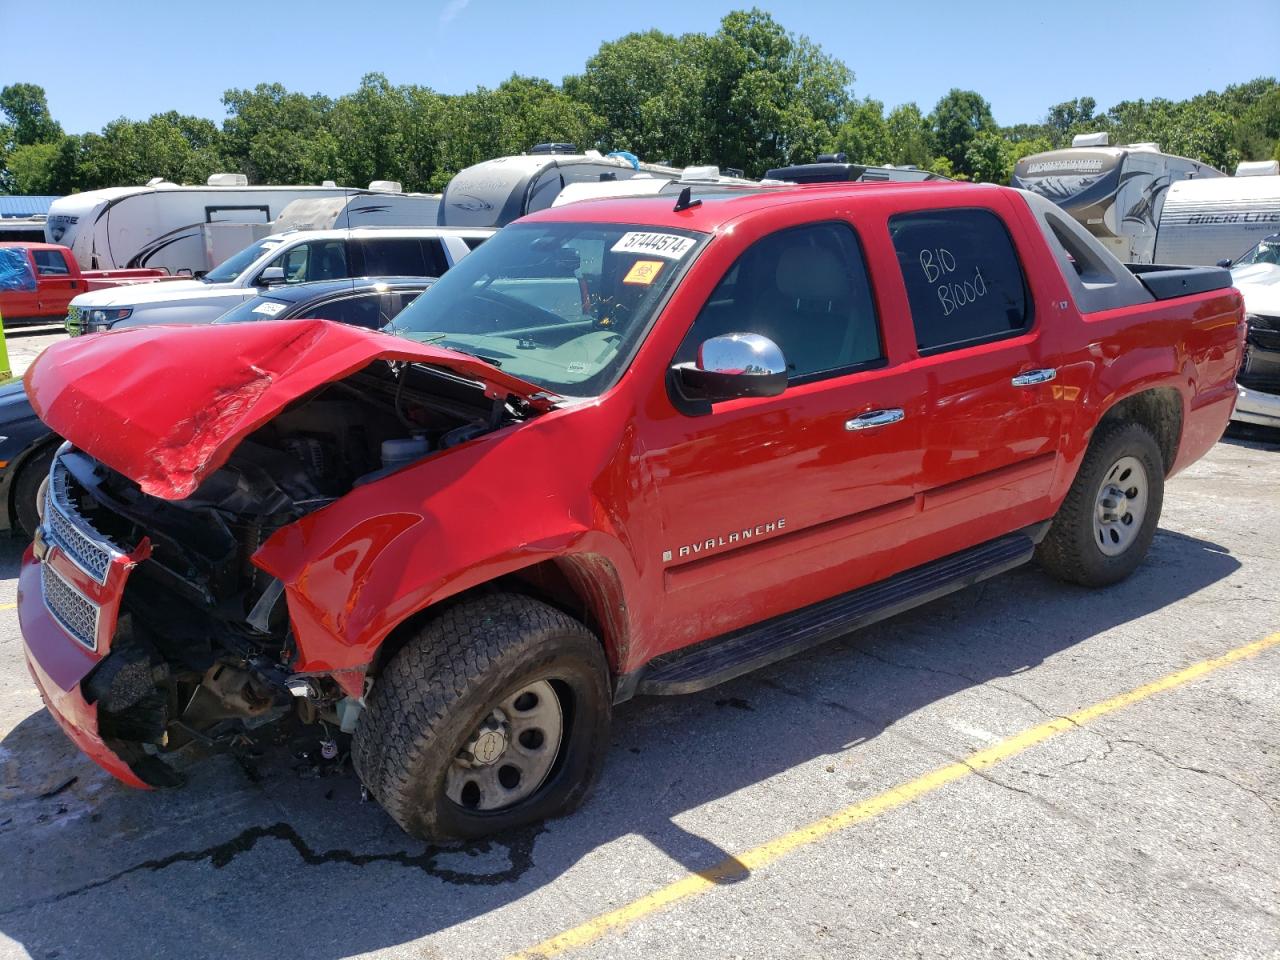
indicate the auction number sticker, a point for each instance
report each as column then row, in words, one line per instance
column 669, row 245
column 270, row 308
column 643, row 272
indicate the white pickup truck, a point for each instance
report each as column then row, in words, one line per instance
column 285, row 258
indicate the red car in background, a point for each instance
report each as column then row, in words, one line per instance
column 38, row 280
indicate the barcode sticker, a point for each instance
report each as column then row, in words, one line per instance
column 669, row 245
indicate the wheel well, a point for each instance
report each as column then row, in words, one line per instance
column 584, row 586
column 1160, row 411
column 28, row 456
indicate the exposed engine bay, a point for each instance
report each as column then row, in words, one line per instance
column 202, row 650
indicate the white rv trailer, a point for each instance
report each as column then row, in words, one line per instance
column 1206, row 222
column 495, row 192
column 702, row 181
column 1116, row 193
column 164, row 225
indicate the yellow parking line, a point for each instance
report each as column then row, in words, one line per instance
column 735, row 867
column 8, row 606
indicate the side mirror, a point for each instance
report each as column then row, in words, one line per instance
column 271, row 275
column 732, row 366
column 1224, row 262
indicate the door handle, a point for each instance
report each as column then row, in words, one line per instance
column 875, row 418
column 1033, row 377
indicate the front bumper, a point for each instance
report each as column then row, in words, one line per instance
column 58, row 663
column 1254, row 406
column 69, row 592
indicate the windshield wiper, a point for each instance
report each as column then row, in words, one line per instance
column 492, row 361
column 438, row 337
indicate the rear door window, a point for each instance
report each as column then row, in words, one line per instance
column 51, row 263
column 963, row 279
column 403, row 257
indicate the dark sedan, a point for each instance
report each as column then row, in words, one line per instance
column 27, row 445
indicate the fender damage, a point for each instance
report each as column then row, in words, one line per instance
column 188, row 450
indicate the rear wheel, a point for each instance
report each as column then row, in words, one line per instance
column 496, row 715
column 1105, row 525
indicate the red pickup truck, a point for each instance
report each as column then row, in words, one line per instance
column 38, row 280
column 623, row 448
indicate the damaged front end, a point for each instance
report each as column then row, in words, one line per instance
column 148, row 625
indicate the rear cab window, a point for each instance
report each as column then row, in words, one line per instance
column 51, row 263
column 964, row 282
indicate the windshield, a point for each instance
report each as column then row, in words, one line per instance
column 1267, row 251
column 255, row 308
column 561, row 305
column 230, row 268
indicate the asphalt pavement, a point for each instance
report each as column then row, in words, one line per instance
column 1024, row 769
column 25, row 343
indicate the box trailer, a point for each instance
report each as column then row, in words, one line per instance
column 1208, row 221
column 164, row 224
column 1116, row 193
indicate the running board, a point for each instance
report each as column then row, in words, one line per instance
column 733, row 654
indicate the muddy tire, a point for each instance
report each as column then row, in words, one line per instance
column 1103, row 529
column 27, row 486
column 494, row 716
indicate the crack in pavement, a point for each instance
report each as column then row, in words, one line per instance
column 519, row 847
column 978, row 682
column 882, row 727
column 1258, row 795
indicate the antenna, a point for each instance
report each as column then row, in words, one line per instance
column 684, row 203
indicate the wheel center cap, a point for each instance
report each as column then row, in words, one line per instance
column 489, row 746
column 1114, row 504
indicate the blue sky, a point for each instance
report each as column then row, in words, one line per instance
column 103, row 60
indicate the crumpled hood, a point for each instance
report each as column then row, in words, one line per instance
column 165, row 406
column 1259, row 284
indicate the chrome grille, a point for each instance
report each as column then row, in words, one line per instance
column 86, row 548
column 74, row 612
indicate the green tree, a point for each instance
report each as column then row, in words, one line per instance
column 646, row 91
column 909, row 136
column 275, row 136
column 774, row 98
column 1071, row 117
column 179, row 148
column 369, row 126
column 987, row 157
column 31, row 168
column 27, row 109
column 959, row 117
column 865, row 135
column 1258, row 132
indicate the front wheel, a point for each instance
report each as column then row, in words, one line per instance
column 1106, row 523
column 496, row 715
column 28, row 490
